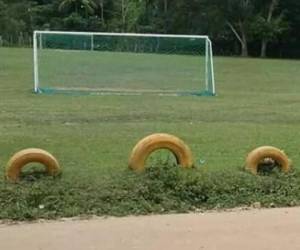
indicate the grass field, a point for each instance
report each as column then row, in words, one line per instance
column 118, row 70
column 258, row 103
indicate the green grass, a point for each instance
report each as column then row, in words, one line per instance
column 116, row 70
column 92, row 136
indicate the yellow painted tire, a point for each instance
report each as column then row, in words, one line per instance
column 257, row 155
column 154, row 142
column 31, row 155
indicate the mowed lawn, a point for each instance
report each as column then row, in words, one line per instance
column 65, row 69
column 258, row 103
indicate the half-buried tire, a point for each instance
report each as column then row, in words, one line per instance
column 31, row 155
column 258, row 155
column 154, row 142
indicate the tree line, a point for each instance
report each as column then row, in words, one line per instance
column 246, row 27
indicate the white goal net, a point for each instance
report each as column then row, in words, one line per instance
column 107, row 63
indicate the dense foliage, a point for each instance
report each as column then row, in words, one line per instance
column 255, row 27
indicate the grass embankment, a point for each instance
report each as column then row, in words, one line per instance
column 163, row 189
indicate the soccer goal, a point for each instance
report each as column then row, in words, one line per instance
column 122, row 63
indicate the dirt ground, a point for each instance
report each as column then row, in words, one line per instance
column 252, row 229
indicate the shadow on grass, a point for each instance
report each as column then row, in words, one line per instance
column 268, row 168
column 35, row 175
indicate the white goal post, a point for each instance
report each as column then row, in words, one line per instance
column 122, row 63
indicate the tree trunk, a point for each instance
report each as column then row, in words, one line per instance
column 102, row 12
column 123, row 15
column 165, row 10
column 272, row 7
column 241, row 38
column 165, row 6
column 244, row 41
column 264, row 44
column 244, row 52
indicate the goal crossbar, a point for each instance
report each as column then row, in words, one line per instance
column 117, row 34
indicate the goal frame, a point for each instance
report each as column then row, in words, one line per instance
column 208, row 51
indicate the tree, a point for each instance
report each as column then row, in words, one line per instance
column 3, row 18
column 268, row 24
column 235, row 14
column 101, row 7
column 15, row 22
column 3, row 13
column 87, row 6
column 239, row 15
column 233, row 25
column 127, row 14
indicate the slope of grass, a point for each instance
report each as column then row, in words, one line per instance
column 92, row 136
column 163, row 189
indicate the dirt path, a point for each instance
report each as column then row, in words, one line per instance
column 256, row 229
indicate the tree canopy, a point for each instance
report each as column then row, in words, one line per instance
column 245, row 27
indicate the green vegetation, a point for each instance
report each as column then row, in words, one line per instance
column 163, row 189
column 92, row 136
column 256, row 27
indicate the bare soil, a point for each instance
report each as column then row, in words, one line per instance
column 251, row 229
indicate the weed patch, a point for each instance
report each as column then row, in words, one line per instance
column 163, row 189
